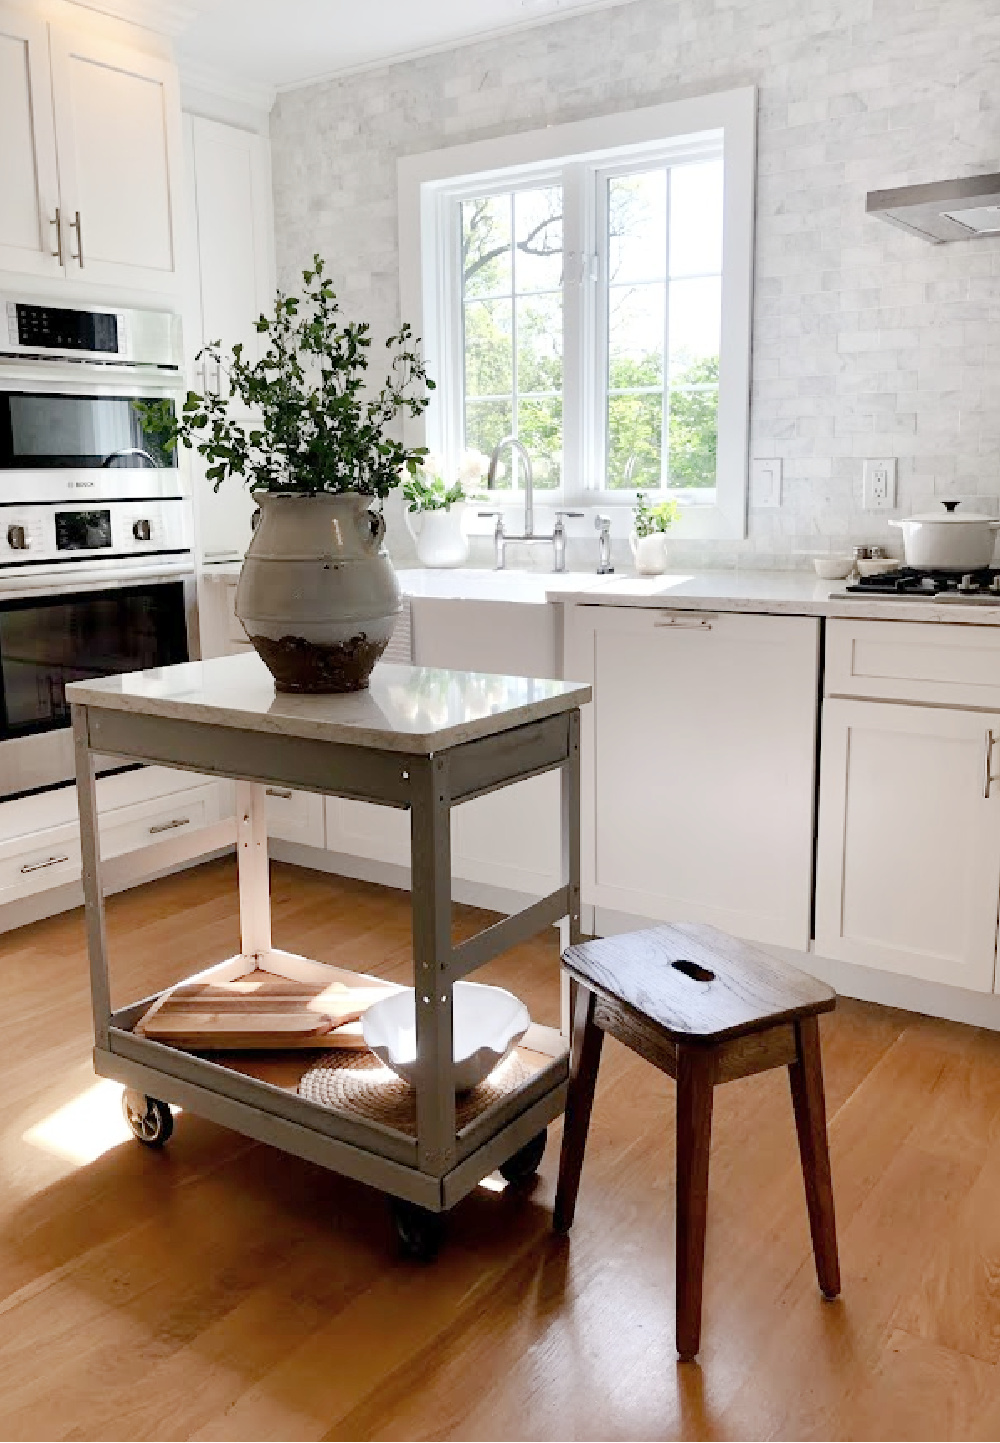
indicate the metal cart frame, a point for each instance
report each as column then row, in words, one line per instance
column 440, row 1164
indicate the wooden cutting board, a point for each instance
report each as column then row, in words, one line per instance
column 259, row 1011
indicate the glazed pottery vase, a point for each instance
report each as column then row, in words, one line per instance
column 317, row 595
column 649, row 553
column 438, row 535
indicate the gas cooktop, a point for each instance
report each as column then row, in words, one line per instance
column 909, row 584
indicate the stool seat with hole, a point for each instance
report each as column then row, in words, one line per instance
column 706, row 1009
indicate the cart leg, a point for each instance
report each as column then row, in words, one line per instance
column 430, row 851
column 255, row 882
column 93, row 890
column 569, row 929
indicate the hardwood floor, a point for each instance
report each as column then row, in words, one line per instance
column 220, row 1289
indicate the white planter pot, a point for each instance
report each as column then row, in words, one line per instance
column 317, row 595
column 438, row 535
column 649, row 553
column 949, row 539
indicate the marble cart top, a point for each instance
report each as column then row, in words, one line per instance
column 411, row 709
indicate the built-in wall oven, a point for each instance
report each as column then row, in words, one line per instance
column 96, row 526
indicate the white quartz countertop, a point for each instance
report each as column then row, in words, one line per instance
column 410, row 709
column 783, row 593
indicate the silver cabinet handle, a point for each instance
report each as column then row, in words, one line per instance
column 49, row 862
column 683, row 620
column 169, row 826
column 75, row 225
column 59, row 236
column 278, row 792
column 989, row 776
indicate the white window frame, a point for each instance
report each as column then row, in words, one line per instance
column 430, row 278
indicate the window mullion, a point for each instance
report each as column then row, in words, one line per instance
column 665, row 402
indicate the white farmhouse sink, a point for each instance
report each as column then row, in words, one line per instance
column 470, row 584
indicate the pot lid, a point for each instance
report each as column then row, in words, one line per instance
column 950, row 514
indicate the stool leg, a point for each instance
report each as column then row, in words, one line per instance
column 806, row 1077
column 584, row 1060
column 695, row 1087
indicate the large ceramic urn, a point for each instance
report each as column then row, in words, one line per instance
column 317, row 595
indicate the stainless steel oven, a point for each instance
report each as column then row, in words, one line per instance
column 96, row 524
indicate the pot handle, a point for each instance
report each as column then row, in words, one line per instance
column 371, row 524
column 408, row 517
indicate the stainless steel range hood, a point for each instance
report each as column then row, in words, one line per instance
column 947, row 210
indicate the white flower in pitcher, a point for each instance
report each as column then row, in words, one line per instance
column 472, row 467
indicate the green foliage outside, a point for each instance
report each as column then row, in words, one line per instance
column 317, row 428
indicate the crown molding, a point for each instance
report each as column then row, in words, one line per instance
column 168, row 17
column 209, row 80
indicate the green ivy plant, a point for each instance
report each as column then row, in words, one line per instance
column 433, row 495
column 649, row 519
column 315, row 427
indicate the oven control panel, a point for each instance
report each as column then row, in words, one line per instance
column 64, row 534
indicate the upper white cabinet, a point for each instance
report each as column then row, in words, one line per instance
column 90, row 158
column 231, row 282
column 698, row 767
column 29, row 178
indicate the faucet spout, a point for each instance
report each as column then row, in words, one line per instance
column 529, row 485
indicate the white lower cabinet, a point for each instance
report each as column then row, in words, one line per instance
column 295, row 816
column 698, row 767
column 908, row 865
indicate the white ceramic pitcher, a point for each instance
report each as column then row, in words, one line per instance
column 438, row 535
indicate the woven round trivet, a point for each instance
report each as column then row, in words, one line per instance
column 361, row 1084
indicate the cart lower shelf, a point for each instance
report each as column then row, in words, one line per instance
column 344, row 1109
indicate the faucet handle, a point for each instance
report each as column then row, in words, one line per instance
column 563, row 514
column 602, row 523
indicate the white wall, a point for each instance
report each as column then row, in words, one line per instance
column 868, row 342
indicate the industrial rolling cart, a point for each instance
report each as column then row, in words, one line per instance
column 422, row 739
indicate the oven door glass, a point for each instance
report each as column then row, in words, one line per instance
column 42, row 430
column 47, row 642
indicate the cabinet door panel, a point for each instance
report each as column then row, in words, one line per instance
column 908, row 870
column 117, row 117
column 29, row 191
column 699, row 767
column 362, row 829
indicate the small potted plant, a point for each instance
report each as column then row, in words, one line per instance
column 317, row 595
column 650, row 525
column 434, row 510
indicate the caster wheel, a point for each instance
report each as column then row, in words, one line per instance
column 420, row 1232
column 151, row 1121
column 523, row 1166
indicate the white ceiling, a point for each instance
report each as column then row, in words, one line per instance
column 277, row 43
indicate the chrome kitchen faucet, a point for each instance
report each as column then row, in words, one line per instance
column 500, row 537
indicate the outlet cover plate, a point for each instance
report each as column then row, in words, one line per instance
column 765, row 476
column 880, row 485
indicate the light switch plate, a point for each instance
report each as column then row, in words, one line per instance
column 765, row 482
column 880, row 485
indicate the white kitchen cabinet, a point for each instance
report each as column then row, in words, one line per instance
column 698, row 767
column 295, row 816
column 908, row 863
column 231, row 282
column 29, row 177
column 118, row 138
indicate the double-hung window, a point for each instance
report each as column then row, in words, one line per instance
column 586, row 290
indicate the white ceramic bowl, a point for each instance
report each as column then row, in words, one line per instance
column 487, row 1023
column 833, row 568
column 877, row 565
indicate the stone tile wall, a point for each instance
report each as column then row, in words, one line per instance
column 867, row 342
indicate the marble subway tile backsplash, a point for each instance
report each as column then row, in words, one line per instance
column 867, row 341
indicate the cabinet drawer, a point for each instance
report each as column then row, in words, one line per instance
column 128, row 828
column 44, row 859
column 914, row 661
column 295, row 816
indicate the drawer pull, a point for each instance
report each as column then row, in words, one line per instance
column 278, row 792
column 989, row 776
column 49, row 862
column 169, row 826
column 683, row 621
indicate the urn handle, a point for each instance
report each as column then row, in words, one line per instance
column 372, row 528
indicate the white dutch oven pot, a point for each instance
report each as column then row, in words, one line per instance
column 949, row 539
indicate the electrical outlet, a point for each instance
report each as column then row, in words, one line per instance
column 765, row 475
column 880, row 485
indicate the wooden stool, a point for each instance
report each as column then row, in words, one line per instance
column 706, row 1009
